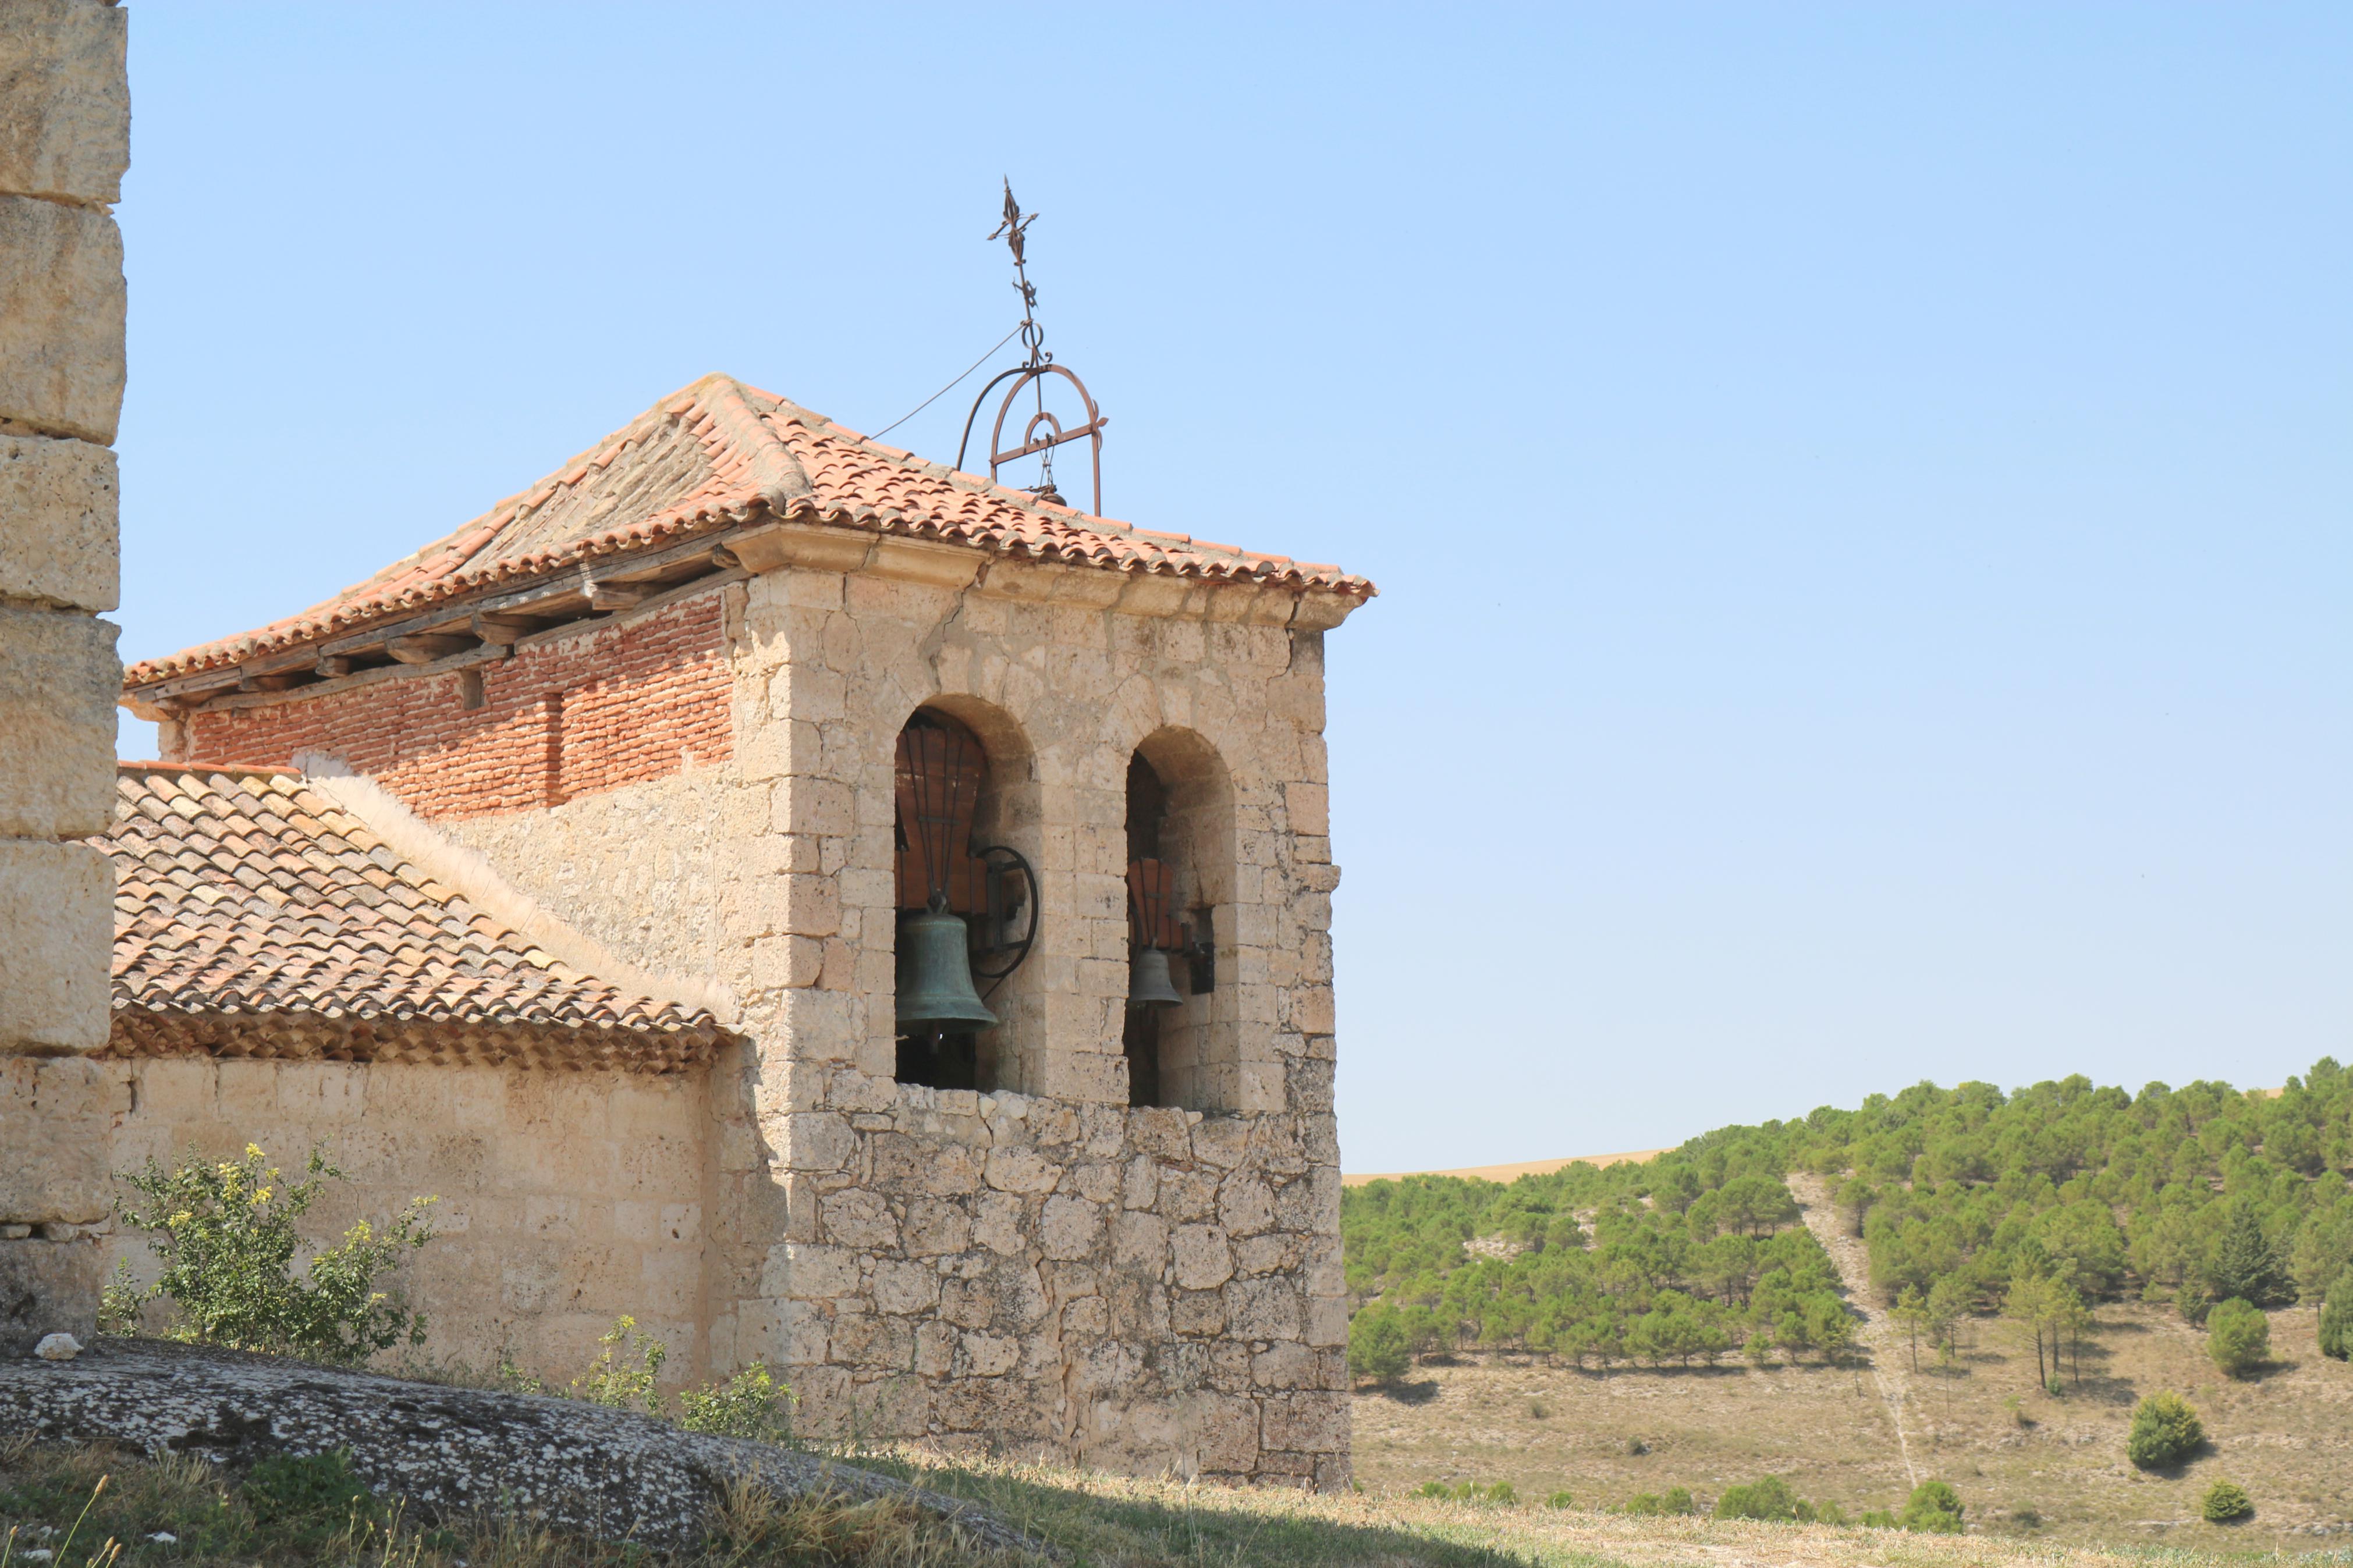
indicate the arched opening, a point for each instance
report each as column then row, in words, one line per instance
column 966, row 897
column 1181, row 1026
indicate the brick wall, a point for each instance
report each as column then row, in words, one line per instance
column 623, row 703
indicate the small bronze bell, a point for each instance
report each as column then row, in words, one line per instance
column 1147, row 980
column 936, row 990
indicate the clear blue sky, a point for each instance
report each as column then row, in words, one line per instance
column 1860, row 493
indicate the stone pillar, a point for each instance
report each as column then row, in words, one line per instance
column 65, row 127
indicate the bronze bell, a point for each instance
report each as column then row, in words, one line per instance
column 936, row 990
column 1147, row 980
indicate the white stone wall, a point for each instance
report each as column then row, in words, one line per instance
column 563, row 1200
column 64, row 123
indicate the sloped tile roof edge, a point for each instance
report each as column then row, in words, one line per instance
column 140, row 1031
column 471, row 874
column 771, row 483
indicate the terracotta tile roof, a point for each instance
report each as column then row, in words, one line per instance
column 719, row 454
column 255, row 917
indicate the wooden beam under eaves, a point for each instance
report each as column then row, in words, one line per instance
column 423, row 648
column 617, row 595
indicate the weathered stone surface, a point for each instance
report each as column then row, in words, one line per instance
column 57, row 924
column 580, row 1468
column 50, row 1172
column 65, row 100
column 58, row 523
column 58, row 676
column 61, row 317
column 46, row 1287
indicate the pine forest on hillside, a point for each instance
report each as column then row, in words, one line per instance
column 2037, row 1205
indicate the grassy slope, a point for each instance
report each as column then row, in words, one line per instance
column 2287, row 1436
column 1095, row 1521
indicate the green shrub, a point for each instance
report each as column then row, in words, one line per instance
column 1933, row 1507
column 1435, row 1488
column 624, row 1374
column 2165, row 1431
column 226, row 1232
column 1829, row 1513
column 1465, row 1491
column 2337, row 1319
column 1560, row 1499
column 1678, row 1500
column 2226, row 1503
column 2239, row 1337
column 751, row 1404
column 1769, row 1499
column 1502, row 1491
column 1377, row 1344
column 1879, row 1519
column 1645, row 1505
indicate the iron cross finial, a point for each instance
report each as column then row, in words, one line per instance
column 1015, row 223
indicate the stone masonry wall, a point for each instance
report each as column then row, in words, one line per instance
column 638, row 698
column 65, row 138
column 1148, row 1290
column 563, row 1199
column 971, row 1268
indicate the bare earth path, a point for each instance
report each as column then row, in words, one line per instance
column 1880, row 1336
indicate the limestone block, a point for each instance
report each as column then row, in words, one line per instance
column 1286, row 1364
column 936, row 1226
column 1221, row 1141
column 56, row 927
column 65, row 102
column 1328, row 1322
column 1228, row 1434
column 1071, row 1228
column 1140, row 1244
column 1307, row 1423
column 1245, row 1208
column 58, row 519
column 858, row 1218
column 59, row 678
column 48, row 1287
column 902, row 1288
column 53, row 1150
column 818, row 1141
column 1199, row 1312
column 1263, row 1308
column 1188, row 1194
column 61, row 314
column 1203, row 1259
column 1022, row 1171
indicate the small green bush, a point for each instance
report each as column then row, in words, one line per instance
column 624, row 1374
column 1560, row 1499
column 1435, row 1488
column 1678, row 1500
column 751, row 1403
column 1465, row 1491
column 2165, row 1431
column 2337, row 1319
column 2226, row 1503
column 1934, row 1508
column 1502, row 1491
column 2239, row 1337
column 226, row 1232
column 1770, row 1498
column 1645, row 1505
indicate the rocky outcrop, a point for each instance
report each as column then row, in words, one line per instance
column 578, row 1467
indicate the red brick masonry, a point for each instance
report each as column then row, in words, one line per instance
column 617, row 705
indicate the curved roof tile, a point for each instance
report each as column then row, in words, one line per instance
column 242, row 894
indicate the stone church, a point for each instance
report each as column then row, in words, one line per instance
column 851, row 915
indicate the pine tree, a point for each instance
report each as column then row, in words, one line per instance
column 2246, row 1265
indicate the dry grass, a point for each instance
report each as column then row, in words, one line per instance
column 2285, row 1439
column 2287, row 1436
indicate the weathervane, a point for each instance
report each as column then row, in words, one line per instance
column 1032, row 373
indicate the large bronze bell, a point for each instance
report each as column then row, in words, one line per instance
column 1148, row 985
column 936, row 990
